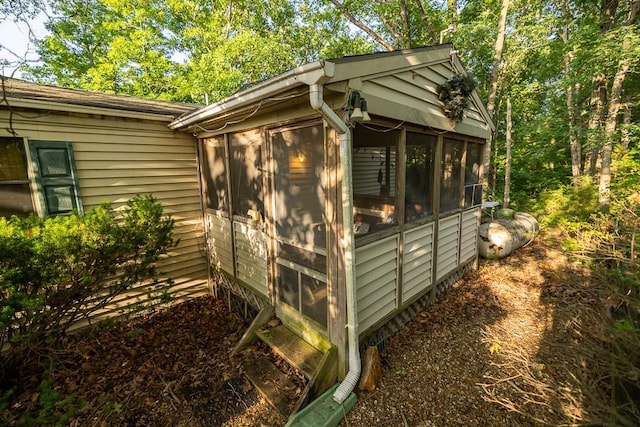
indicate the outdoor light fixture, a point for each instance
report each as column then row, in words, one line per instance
column 359, row 108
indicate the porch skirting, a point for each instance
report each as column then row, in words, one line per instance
column 382, row 335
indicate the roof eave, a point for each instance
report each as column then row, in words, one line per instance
column 84, row 109
column 317, row 72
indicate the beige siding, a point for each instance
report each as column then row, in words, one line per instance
column 118, row 158
column 251, row 256
column 376, row 281
column 448, row 242
column 469, row 235
column 366, row 164
column 417, row 261
column 219, row 242
column 411, row 95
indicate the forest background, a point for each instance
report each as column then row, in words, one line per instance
column 567, row 69
column 559, row 78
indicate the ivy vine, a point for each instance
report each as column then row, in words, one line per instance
column 455, row 93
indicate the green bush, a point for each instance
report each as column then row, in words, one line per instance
column 56, row 271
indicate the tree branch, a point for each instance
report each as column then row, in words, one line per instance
column 426, row 23
column 355, row 21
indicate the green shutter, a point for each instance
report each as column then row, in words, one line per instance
column 55, row 173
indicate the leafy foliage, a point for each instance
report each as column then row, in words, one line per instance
column 56, row 271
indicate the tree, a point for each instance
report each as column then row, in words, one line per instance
column 628, row 57
column 493, row 84
column 185, row 49
column 576, row 148
column 507, row 169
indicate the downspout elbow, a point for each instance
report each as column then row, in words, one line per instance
column 317, row 103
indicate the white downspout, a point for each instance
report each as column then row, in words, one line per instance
column 344, row 134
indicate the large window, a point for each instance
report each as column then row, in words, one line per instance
column 472, row 182
column 419, row 175
column 214, row 171
column 451, row 176
column 374, row 178
column 15, row 193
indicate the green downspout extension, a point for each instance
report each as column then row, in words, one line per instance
column 324, row 411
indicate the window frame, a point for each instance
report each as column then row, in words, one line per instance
column 28, row 181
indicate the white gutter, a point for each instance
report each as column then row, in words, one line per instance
column 307, row 74
column 353, row 375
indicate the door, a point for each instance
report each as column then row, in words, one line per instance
column 300, row 226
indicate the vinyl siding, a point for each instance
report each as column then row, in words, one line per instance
column 469, row 235
column 411, row 95
column 220, row 242
column 251, row 256
column 366, row 164
column 448, row 242
column 417, row 261
column 118, row 158
column 376, row 281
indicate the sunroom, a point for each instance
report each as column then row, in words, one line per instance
column 339, row 196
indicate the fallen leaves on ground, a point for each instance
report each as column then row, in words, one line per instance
column 459, row 362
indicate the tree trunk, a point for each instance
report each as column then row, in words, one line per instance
column 507, row 166
column 574, row 144
column 596, row 119
column 610, row 128
column 452, row 12
column 406, row 31
column 493, row 88
column 624, row 64
column 625, row 135
column 598, row 99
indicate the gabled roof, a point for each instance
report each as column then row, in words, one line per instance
column 398, row 84
column 20, row 93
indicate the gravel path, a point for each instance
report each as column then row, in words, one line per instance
column 441, row 369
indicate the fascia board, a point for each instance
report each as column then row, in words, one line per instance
column 314, row 73
column 83, row 109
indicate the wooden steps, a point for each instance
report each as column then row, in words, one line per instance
column 314, row 370
column 300, row 354
column 273, row 384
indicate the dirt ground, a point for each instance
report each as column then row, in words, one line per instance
column 457, row 363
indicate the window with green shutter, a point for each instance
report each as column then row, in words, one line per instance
column 55, row 174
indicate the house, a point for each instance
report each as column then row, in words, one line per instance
column 64, row 149
column 341, row 197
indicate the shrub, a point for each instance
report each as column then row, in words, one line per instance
column 56, row 271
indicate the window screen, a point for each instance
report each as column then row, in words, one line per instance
column 214, row 171
column 15, row 193
column 472, row 183
column 300, row 199
column 298, row 156
column 451, row 177
column 374, row 178
column 419, row 175
column 246, row 172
